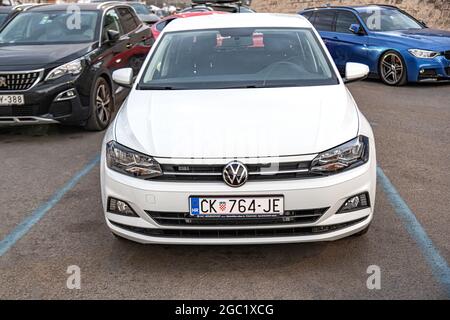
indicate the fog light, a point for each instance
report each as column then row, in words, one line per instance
column 66, row 95
column 120, row 207
column 358, row 202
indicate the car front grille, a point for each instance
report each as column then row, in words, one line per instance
column 208, row 173
column 184, row 219
column 16, row 111
column 19, row 81
column 237, row 233
column 447, row 54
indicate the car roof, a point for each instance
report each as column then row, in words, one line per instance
column 243, row 20
column 354, row 7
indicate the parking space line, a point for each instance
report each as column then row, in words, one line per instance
column 37, row 214
column 438, row 263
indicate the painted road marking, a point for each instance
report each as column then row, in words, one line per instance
column 438, row 264
column 37, row 214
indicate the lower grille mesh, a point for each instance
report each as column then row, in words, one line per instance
column 236, row 233
column 289, row 217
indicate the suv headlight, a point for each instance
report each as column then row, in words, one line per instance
column 348, row 155
column 427, row 54
column 73, row 67
column 132, row 163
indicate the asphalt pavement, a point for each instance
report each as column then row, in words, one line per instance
column 51, row 218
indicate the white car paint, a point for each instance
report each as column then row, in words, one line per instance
column 250, row 125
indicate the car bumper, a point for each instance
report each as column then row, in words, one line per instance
column 325, row 192
column 422, row 70
column 43, row 104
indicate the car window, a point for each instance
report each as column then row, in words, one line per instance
column 128, row 21
column 50, row 27
column 140, row 8
column 382, row 19
column 308, row 14
column 111, row 22
column 324, row 20
column 243, row 57
column 3, row 17
column 161, row 25
column 344, row 20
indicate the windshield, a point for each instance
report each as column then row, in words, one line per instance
column 50, row 27
column 140, row 8
column 378, row 19
column 238, row 58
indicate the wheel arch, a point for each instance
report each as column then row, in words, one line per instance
column 382, row 53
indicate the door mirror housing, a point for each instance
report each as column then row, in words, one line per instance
column 356, row 28
column 355, row 71
column 123, row 77
column 112, row 36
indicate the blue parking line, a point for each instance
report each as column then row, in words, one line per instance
column 37, row 214
column 438, row 264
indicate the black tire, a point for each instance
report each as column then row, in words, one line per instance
column 101, row 106
column 362, row 232
column 392, row 69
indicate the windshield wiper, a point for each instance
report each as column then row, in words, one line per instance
column 152, row 87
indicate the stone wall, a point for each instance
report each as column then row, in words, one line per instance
column 436, row 13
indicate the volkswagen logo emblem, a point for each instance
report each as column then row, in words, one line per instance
column 3, row 82
column 235, row 174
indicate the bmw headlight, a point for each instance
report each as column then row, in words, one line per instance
column 348, row 155
column 132, row 163
column 427, row 54
column 74, row 67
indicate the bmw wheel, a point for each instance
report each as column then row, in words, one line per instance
column 102, row 106
column 392, row 69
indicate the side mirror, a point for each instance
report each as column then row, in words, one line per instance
column 356, row 29
column 113, row 35
column 123, row 77
column 355, row 71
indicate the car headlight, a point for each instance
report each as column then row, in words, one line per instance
column 348, row 155
column 132, row 163
column 427, row 54
column 74, row 67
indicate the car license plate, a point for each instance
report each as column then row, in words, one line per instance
column 11, row 99
column 236, row 206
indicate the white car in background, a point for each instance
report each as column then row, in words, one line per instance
column 238, row 130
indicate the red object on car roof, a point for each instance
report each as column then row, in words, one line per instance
column 158, row 27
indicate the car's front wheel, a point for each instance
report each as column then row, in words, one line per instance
column 102, row 106
column 392, row 69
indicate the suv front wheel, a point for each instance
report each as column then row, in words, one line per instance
column 101, row 106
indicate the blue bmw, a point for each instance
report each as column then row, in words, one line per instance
column 396, row 47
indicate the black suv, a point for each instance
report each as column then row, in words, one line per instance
column 6, row 13
column 56, row 62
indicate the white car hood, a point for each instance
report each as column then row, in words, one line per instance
column 237, row 123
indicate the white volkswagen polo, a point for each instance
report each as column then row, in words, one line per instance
column 238, row 130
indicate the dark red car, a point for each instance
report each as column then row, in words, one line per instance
column 158, row 27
